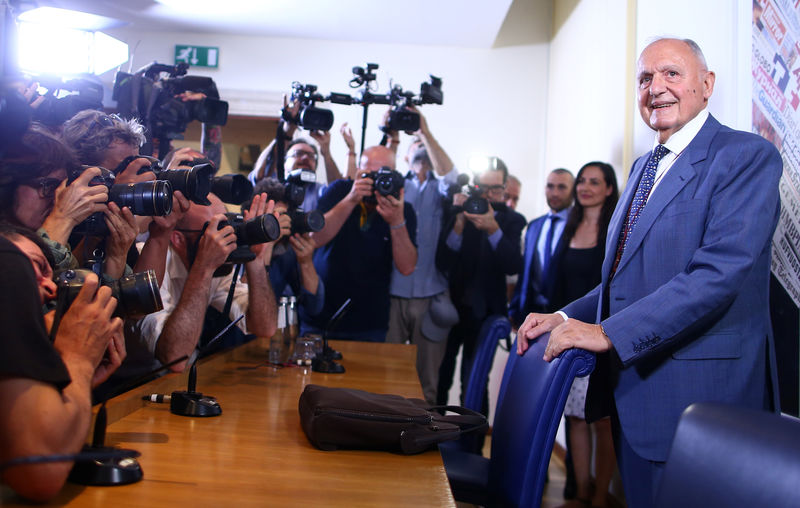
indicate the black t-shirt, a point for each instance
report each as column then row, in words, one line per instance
column 25, row 348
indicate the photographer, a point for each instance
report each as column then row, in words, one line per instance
column 299, row 154
column 34, row 194
column 430, row 174
column 477, row 251
column 108, row 141
column 291, row 265
column 48, row 383
column 198, row 247
column 365, row 233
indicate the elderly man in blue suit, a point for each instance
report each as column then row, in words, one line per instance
column 682, row 309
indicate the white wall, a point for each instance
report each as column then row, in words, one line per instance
column 494, row 99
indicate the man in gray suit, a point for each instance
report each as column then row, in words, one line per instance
column 682, row 309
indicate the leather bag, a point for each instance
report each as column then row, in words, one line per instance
column 334, row 418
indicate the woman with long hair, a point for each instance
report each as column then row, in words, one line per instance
column 595, row 195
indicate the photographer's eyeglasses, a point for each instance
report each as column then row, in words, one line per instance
column 296, row 154
column 495, row 189
column 104, row 121
column 45, row 185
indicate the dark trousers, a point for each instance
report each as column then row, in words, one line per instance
column 641, row 478
column 464, row 333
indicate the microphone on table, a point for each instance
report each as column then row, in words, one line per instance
column 191, row 402
column 97, row 464
column 325, row 361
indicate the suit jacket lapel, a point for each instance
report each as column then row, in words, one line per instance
column 618, row 217
column 681, row 172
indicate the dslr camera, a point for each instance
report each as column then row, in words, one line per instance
column 144, row 198
column 262, row 229
column 137, row 294
column 386, row 181
column 294, row 194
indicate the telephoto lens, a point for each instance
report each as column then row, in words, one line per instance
column 194, row 183
column 144, row 198
column 233, row 189
column 137, row 294
column 306, row 222
column 262, row 229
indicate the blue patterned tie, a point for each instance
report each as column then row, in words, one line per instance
column 639, row 200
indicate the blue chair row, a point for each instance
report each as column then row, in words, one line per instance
column 532, row 398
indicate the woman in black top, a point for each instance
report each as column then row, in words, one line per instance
column 595, row 196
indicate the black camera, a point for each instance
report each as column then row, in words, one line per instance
column 153, row 100
column 194, row 183
column 476, row 202
column 233, row 189
column 400, row 118
column 294, row 194
column 386, row 181
column 150, row 199
column 55, row 109
column 310, row 117
column 137, row 294
column 262, row 229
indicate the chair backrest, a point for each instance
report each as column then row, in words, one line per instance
column 493, row 329
column 533, row 395
column 725, row 455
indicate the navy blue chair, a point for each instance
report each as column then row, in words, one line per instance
column 732, row 456
column 532, row 399
column 494, row 328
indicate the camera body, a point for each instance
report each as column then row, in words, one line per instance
column 476, row 203
column 294, row 193
column 152, row 198
column 262, row 229
column 386, row 181
column 137, row 294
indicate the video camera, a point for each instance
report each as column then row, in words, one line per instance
column 152, row 198
column 137, row 294
column 400, row 118
column 309, row 117
column 57, row 108
column 154, row 101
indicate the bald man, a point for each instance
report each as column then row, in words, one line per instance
column 365, row 234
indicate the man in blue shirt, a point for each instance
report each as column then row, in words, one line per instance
column 365, row 234
column 431, row 173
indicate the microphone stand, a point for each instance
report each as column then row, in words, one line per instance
column 191, row 402
column 97, row 464
column 324, row 362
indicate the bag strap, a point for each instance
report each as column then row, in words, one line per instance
column 467, row 420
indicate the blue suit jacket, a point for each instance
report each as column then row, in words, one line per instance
column 689, row 306
column 520, row 306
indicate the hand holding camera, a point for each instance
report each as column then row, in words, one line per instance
column 262, row 206
column 362, row 188
column 74, row 203
column 391, row 208
column 123, row 230
column 483, row 221
column 216, row 243
column 88, row 326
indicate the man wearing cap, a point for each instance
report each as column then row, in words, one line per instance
column 421, row 312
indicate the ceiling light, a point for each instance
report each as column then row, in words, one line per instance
column 68, row 19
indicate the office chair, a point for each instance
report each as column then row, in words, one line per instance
column 532, row 399
column 732, row 456
column 494, row 328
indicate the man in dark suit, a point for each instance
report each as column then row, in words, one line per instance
column 683, row 303
column 476, row 253
column 542, row 246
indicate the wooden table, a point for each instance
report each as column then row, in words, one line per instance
column 255, row 453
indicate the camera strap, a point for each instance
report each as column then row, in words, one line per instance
column 237, row 270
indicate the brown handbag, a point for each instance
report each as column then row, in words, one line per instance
column 334, row 418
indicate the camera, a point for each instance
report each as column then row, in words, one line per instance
column 475, row 203
column 144, row 198
column 310, row 117
column 262, row 229
column 386, row 181
column 194, row 183
column 154, row 101
column 294, row 195
column 55, row 110
column 233, row 189
column 400, row 118
column 137, row 294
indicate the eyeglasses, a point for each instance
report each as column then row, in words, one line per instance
column 104, row 121
column 296, row 154
column 495, row 188
column 46, row 186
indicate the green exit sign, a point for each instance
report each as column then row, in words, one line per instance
column 197, row 56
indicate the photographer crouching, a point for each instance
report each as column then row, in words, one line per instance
column 368, row 228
